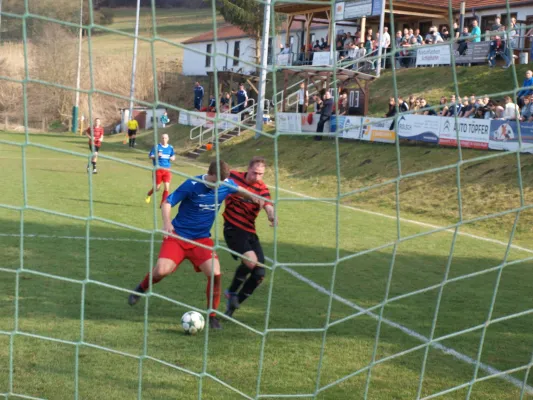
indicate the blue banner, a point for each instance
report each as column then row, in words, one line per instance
column 504, row 136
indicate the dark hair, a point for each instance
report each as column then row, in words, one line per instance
column 222, row 166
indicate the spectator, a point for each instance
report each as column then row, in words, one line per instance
column 406, row 35
column 398, row 44
column 456, row 31
column 303, row 99
column 436, row 36
column 325, row 114
column 318, row 103
column 164, row 119
column 419, row 37
column 527, row 87
column 498, row 113
column 513, row 36
column 490, row 110
column 224, row 102
column 323, row 43
column 527, row 112
column 385, row 44
column 402, row 105
column 511, row 111
column 463, row 42
column 471, row 108
column 465, row 107
column 286, row 49
column 369, row 47
column 198, row 96
column 425, row 108
column 415, row 107
column 497, row 48
column 497, row 24
column 412, row 51
column 392, row 108
column 343, row 102
column 476, row 32
column 411, row 101
column 454, row 108
column 445, row 34
column 443, row 107
column 212, row 106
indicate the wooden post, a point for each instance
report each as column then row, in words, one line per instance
column 367, row 97
column 43, row 124
column 6, row 121
column 70, row 124
column 363, row 27
column 287, row 34
column 330, row 33
column 308, row 21
column 285, row 83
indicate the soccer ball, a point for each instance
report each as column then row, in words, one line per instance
column 192, row 322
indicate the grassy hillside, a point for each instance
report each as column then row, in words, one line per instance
column 368, row 172
column 432, row 83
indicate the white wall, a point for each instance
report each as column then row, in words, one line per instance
column 194, row 63
column 522, row 11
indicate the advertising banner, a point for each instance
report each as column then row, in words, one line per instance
column 419, row 127
column 433, row 55
column 473, row 133
column 289, row 122
column 352, row 127
column 504, row 136
column 378, row 130
column 321, row 58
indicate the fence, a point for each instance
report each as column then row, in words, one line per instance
column 482, row 134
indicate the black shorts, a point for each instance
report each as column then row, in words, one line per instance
column 96, row 148
column 132, row 132
column 242, row 241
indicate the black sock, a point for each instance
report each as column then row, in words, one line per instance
column 94, row 164
column 133, row 142
column 252, row 283
column 240, row 276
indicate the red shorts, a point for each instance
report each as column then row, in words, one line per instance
column 178, row 250
column 162, row 175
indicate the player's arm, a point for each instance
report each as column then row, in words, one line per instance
column 152, row 153
column 172, row 155
column 271, row 214
column 88, row 133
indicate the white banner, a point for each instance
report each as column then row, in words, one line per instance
column 473, row 132
column 284, row 59
column 321, row 58
column 433, row 55
column 192, row 118
column 352, row 127
column 419, row 127
column 378, row 130
column 289, row 122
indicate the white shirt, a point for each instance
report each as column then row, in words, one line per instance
column 511, row 111
column 386, row 39
column 302, row 95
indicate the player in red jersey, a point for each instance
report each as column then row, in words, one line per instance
column 239, row 232
column 95, row 141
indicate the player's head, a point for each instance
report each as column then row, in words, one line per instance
column 256, row 170
column 97, row 122
column 215, row 166
column 164, row 139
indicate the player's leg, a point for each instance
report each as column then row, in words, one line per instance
column 95, row 158
column 166, row 177
column 133, row 138
column 257, row 272
column 170, row 257
column 158, row 180
column 206, row 261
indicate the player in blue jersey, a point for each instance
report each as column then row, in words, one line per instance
column 165, row 154
column 199, row 201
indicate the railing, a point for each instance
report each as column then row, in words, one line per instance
column 203, row 131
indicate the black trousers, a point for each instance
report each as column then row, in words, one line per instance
column 320, row 126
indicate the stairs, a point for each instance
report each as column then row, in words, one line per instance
column 199, row 150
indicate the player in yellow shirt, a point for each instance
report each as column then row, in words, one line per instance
column 133, row 125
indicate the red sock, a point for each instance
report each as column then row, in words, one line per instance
column 146, row 281
column 216, row 292
column 165, row 195
column 150, row 192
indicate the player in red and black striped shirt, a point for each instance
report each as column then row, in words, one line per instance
column 239, row 232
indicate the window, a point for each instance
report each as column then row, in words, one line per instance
column 236, row 52
column 208, row 57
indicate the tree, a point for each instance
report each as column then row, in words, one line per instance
column 247, row 15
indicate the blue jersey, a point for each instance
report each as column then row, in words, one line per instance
column 199, row 92
column 198, row 207
column 163, row 154
column 241, row 96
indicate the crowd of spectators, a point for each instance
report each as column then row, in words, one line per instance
column 482, row 107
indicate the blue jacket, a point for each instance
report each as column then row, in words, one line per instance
column 528, row 83
column 199, row 92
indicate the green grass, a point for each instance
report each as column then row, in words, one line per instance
column 58, row 183
column 433, row 83
column 174, row 24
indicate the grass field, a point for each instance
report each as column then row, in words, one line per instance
column 173, row 24
column 85, row 316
